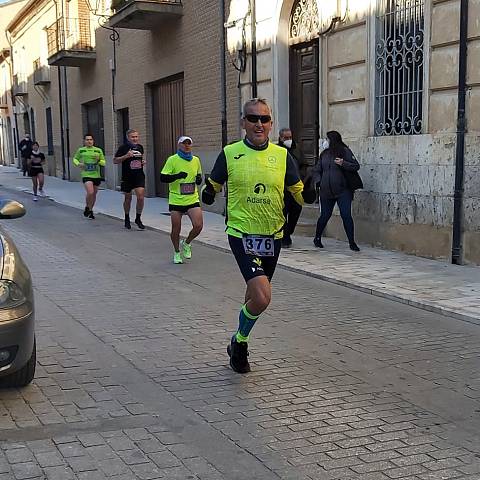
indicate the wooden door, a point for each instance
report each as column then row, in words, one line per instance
column 94, row 121
column 168, row 124
column 304, row 99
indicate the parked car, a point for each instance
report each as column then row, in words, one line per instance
column 17, row 312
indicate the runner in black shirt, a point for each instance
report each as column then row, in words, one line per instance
column 130, row 155
column 35, row 170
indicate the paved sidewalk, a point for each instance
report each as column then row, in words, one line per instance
column 428, row 284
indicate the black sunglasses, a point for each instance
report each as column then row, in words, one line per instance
column 256, row 118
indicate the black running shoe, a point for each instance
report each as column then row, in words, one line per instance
column 317, row 241
column 139, row 223
column 128, row 225
column 354, row 247
column 238, row 353
column 86, row 212
column 91, row 215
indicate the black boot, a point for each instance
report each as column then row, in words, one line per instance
column 317, row 241
column 139, row 223
column 354, row 247
column 286, row 241
column 128, row 225
column 86, row 212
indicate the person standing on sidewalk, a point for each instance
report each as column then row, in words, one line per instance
column 256, row 173
column 25, row 148
column 330, row 175
column 183, row 172
column 35, row 170
column 89, row 159
column 292, row 208
column 131, row 156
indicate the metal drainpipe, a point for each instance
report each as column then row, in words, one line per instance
column 62, row 138
column 253, row 13
column 457, row 247
column 67, row 121
column 223, row 75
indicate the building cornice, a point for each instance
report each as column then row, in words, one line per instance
column 25, row 14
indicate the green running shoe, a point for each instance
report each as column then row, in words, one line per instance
column 186, row 250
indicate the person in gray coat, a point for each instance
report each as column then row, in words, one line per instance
column 329, row 177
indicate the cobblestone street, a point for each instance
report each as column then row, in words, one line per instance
column 133, row 379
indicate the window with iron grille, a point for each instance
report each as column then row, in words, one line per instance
column 399, row 67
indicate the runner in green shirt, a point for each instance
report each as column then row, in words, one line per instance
column 183, row 172
column 89, row 159
column 257, row 173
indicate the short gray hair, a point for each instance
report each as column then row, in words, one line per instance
column 255, row 101
column 131, row 130
column 283, row 130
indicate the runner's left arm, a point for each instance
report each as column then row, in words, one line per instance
column 294, row 184
column 102, row 162
column 215, row 181
column 292, row 180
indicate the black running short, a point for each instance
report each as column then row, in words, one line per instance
column 182, row 208
column 95, row 181
column 250, row 265
column 131, row 183
column 34, row 171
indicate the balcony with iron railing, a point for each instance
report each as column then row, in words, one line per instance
column 145, row 14
column 20, row 84
column 70, row 42
column 41, row 73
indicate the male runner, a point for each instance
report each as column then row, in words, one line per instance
column 130, row 155
column 183, row 172
column 89, row 159
column 256, row 173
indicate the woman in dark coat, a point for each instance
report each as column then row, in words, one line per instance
column 329, row 177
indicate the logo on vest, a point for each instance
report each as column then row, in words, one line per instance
column 272, row 160
column 240, row 155
column 258, row 189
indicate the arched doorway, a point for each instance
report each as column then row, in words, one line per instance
column 304, row 78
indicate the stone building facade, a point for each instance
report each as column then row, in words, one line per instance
column 383, row 73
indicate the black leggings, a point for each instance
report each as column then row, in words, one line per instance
column 344, row 202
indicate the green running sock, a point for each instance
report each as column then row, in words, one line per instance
column 246, row 321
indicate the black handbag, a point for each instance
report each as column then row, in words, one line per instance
column 353, row 179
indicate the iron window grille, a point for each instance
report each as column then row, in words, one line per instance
column 399, row 67
column 304, row 21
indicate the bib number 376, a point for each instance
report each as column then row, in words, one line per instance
column 258, row 245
